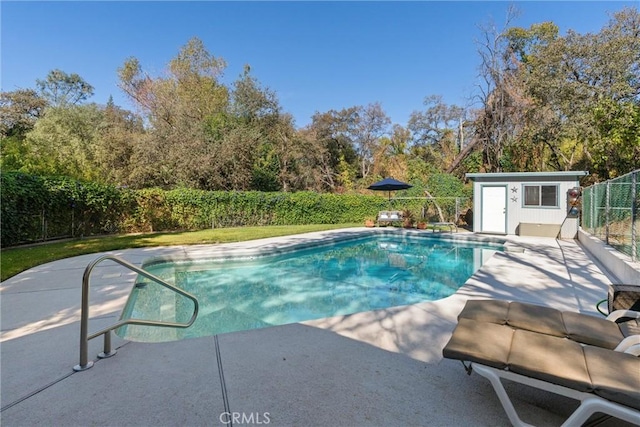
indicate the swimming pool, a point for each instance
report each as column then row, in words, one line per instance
column 343, row 278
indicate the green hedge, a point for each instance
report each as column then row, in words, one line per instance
column 196, row 209
column 36, row 208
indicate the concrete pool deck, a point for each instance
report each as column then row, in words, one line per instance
column 374, row 368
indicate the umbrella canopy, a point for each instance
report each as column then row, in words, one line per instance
column 389, row 184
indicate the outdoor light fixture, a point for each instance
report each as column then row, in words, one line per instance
column 574, row 202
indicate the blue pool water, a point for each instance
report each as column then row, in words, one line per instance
column 349, row 277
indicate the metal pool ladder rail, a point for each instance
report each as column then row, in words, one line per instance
column 84, row 315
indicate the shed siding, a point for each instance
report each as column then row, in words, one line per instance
column 517, row 213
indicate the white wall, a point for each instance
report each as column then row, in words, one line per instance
column 515, row 210
column 618, row 264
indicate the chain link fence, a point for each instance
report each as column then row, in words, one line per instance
column 61, row 224
column 610, row 212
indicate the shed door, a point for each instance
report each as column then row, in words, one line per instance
column 494, row 209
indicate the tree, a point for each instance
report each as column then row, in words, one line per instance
column 250, row 101
column 437, row 131
column 118, row 136
column 190, row 91
column 289, row 150
column 582, row 87
column 19, row 111
column 390, row 159
column 344, row 143
column 523, row 43
column 61, row 136
column 179, row 109
column 62, row 142
column 501, row 118
column 617, row 150
column 331, row 146
column 429, row 126
column 274, row 153
column 370, row 123
column 316, row 166
column 62, row 90
column 231, row 159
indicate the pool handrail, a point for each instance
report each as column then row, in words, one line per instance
column 84, row 314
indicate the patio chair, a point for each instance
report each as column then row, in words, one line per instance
column 388, row 217
column 575, row 355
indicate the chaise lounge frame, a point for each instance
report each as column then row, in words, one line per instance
column 590, row 403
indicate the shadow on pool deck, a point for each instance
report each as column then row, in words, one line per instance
column 375, row 368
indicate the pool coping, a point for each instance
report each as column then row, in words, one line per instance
column 322, row 239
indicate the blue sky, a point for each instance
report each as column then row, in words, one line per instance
column 316, row 56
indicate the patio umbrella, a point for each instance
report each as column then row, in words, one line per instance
column 389, row 184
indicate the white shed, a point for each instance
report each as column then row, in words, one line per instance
column 524, row 203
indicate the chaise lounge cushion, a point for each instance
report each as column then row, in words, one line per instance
column 494, row 311
column 537, row 318
column 592, row 330
column 482, row 342
column 529, row 317
column 615, row 375
column 546, row 320
column 552, row 359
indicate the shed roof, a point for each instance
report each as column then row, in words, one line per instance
column 517, row 175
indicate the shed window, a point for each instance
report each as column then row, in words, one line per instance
column 541, row 195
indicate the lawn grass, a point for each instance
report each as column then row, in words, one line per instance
column 16, row 260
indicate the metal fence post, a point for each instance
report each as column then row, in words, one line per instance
column 606, row 211
column 593, row 209
column 634, row 213
column 43, row 221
